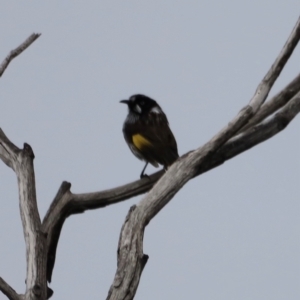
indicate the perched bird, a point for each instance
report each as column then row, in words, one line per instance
column 147, row 133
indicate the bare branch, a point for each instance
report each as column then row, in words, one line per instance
column 131, row 259
column 14, row 53
column 268, row 81
column 21, row 161
column 254, row 135
column 34, row 238
column 275, row 103
column 130, row 251
column 7, row 150
column 67, row 203
column 8, row 291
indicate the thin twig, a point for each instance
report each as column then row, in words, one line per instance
column 275, row 103
column 268, row 81
column 14, row 53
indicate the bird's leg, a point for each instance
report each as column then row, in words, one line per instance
column 142, row 174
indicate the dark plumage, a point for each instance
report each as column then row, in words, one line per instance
column 147, row 132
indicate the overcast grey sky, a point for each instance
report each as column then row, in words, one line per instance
column 232, row 233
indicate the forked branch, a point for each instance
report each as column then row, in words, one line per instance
column 130, row 250
column 275, row 103
column 21, row 161
column 66, row 203
column 131, row 259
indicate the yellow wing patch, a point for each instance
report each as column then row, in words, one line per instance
column 140, row 142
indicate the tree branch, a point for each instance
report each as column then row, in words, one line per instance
column 268, row 81
column 275, row 103
column 21, row 161
column 7, row 150
column 14, row 53
column 66, row 203
column 130, row 250
column 8, row 291
column 131, row 259
column 255, row 135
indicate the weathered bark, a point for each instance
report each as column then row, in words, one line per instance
column 8, row 291
column 275, row 103
column 21, row 161
column 14, row 53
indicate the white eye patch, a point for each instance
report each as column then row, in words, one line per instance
column 156, row 110
column 137, row 109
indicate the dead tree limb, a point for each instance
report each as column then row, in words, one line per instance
column 66, row 203
column 8, row 291
column 21, row 161
column 14, row 53
column 131, row 259
column 275, row 103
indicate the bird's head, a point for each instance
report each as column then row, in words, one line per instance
column 141, row 105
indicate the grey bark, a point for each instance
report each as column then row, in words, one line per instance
column 15, row 52
column 275, row 103
column 21, row 161
column 8, row 291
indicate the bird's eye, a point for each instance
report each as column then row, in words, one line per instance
column 137, row 108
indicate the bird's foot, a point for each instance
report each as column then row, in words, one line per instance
column 144, row 176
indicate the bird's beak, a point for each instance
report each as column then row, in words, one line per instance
column 124, row 101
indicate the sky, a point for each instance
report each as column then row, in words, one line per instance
column 232, row 233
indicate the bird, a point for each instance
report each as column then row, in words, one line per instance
column 147, row 133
